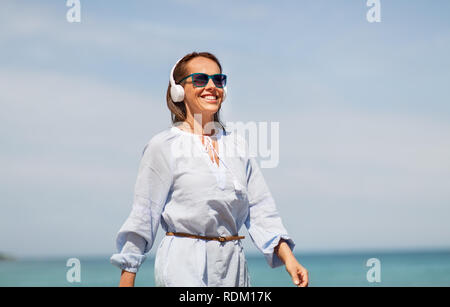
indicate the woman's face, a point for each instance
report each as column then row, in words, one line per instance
column 205, row 100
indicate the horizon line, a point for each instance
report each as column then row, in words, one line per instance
column 248, row 254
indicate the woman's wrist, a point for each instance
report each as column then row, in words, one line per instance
column 283, row 251
column 127, row 279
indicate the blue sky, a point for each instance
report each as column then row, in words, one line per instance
column 363, row 109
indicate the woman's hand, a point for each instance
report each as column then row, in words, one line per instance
column 127, row 279
column 298, row 273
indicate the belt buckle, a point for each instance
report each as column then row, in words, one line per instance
column 222, row 239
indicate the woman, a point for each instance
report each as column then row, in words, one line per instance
column 200, row 195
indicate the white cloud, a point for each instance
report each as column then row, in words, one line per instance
column 342, row 153
column 52, row 123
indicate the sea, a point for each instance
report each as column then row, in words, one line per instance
column 374, row 269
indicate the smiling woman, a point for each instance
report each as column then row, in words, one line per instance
column 201, row 199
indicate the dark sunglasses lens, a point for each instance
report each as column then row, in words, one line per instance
column 200, row 79
column 220, row 80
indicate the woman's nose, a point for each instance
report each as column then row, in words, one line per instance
column 210, row 83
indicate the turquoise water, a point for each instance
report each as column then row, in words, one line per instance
column 396, row 269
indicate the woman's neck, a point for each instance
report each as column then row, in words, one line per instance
column 199, row 124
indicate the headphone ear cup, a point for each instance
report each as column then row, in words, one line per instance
column 224, row 93
column 176, row 90
column 177, row 93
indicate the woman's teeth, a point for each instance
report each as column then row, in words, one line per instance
column 209, row 97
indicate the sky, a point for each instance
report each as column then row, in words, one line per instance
column 363, row 111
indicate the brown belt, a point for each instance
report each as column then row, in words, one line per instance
column 220, row 239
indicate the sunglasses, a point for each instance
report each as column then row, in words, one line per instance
column 201, row 79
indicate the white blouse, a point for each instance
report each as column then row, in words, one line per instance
column 179, row 186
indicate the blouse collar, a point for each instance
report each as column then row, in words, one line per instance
column 179, row 131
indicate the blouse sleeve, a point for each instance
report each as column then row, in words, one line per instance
column 136, row 236
column 263, row 221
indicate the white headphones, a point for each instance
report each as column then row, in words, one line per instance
column 177, row 91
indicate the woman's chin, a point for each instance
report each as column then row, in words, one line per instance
column 210, row 107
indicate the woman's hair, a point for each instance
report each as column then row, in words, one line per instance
column 178, row 109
